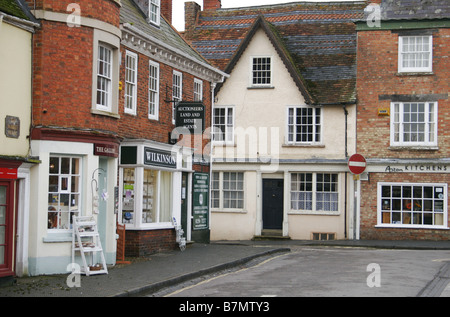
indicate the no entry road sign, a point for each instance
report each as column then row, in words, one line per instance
column 357, row 164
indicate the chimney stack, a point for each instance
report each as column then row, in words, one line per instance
column 166, row 9
column 191, row 10
column 211, row 5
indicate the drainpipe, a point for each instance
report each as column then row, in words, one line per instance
column 346, row 174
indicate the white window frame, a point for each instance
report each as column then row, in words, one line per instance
column 140, row 200
column 424, row 50
column 292, row 125
column 254, row 72
column 154, row 11
column 222, row 191
column 104, row 76
column 198, row 90
column 112, row 42
column 228, row 134
column 177, row 91
column 153, row 91
column 67, row 190
column 385, row 206
column 131, row 75
column 399, row 125
column 315, row 193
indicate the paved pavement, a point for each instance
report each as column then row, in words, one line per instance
column 165, row 269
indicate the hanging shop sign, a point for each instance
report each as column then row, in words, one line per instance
column 200, row 201
column 191, row 116
column 160, row 158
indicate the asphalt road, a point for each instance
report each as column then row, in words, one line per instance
column 328, row 272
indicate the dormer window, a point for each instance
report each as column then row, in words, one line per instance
column 154, row 12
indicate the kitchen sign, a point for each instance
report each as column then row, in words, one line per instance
column 191, row 116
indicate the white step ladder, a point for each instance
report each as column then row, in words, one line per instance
column 86, row 240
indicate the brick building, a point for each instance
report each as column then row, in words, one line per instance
column 106, row 77
column 161, row 72
column 403, row 110
column 74, row 127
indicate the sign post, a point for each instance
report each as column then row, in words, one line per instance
column 357, row 165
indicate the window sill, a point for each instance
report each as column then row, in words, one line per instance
column 105, row 113
column 232, row 211
column 260, row 87
column 427, row 227
column 417, row 73
column 314, row 213
column 309, row 145
column 413, row 148
column 58, row 237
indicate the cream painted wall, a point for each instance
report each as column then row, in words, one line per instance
column 237, row 225
column 261, row 114
column 15, row 86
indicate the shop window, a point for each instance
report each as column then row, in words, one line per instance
column 149, row 200
column 315, row 192
column 412, row 205
column 63, row 192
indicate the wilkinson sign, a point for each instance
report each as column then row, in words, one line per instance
column 159, row 158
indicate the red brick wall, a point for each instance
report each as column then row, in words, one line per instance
column 369, row 205
column 62, row 69
column 139, row 126
column 378, row 75
column 103, row 10
column 143, row 243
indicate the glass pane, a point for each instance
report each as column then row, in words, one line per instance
column 2, row 255
column 54, row 165
column 149, row 199
column 2, row 215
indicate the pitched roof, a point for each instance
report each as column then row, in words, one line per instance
column 132, row 14
column 316, row 40
column 17, row 8
column 415, row 9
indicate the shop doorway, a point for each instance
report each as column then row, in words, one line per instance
column 184, row 202
column 6, row 228
column 273, row 204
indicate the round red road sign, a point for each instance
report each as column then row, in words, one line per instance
column 357, row 164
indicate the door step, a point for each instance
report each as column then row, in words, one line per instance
column 269, row 234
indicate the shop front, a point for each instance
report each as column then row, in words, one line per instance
column 405, row 199
column 154, row 195
column 76, row 177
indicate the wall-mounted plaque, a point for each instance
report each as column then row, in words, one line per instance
column 12, row 127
